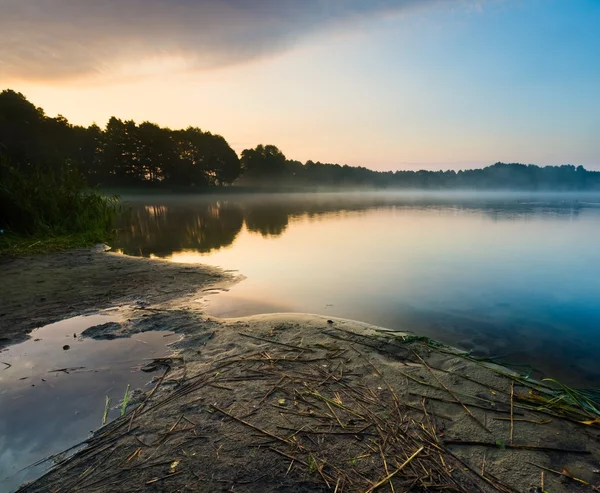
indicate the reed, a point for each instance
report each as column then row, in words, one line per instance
column 51, row 207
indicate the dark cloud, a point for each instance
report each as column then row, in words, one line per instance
column 69, row 38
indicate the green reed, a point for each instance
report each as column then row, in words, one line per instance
column 45, row 204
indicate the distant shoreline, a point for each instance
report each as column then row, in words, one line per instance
column 239, row 190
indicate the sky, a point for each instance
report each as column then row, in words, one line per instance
column 386, row 84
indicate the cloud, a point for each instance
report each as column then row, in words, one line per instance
column 57, row 39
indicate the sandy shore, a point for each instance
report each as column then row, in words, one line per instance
column 295, row 402
column 43, row 289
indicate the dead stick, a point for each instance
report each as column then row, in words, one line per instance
column 250, row 425
column 156, row 480
column 452, row 394
column 323, row 475
column 272, row 390
column 430, row 397
column 545, row 422
column 476, row 443
column 390, row 476
column 512, row 421
column 394, row 396
column 483, row 463
column 276, row 342
column 143, row 404
column 176, row 423
column 334, row 414
column 565, row 475
column 495, row 484
column 385, row 466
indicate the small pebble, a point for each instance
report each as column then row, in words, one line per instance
column 66, row 347
column 329, row 321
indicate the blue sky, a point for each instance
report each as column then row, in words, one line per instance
column 393, row 84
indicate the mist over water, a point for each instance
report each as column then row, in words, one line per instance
column 503, row 274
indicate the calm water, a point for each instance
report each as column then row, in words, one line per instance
column 51, row 398
column 510, row 275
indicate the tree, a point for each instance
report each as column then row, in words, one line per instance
column 157, row 152
column 21, row 130
column 119, row 154
column 223, row 163
column 85, row 151
column 263, row 162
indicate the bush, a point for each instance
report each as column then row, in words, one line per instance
column 48, row 203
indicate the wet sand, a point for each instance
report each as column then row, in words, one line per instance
column 43, row 289
column 296, row 402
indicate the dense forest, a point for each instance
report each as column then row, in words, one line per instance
column 126, row 154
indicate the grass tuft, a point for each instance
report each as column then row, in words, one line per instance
column 125, row 401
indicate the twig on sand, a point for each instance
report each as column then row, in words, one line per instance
column 516, row 447
column 478, row 406
column 483, row 463
column 385, row 466
column 394, row 396
column 542, row 480
column 512, row 421
column 544, row 422
column 156, row 480
column 277, row 343
column 454, row 396
column 565, row 475
column 497, row 485
column 390, row 476
column 250, row 425
column 137, row 410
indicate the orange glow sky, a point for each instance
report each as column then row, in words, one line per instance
column 441, row 86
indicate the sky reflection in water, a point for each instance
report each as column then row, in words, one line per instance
column 45, row 411
column 511, row 275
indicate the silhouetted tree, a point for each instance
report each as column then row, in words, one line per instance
column 127, row 154
column 123, row 154
column 263, row 162
column 21, row 130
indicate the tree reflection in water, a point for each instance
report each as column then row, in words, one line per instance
column 160, row 226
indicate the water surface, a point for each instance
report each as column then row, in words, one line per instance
column 515, row 275
column 53, row 389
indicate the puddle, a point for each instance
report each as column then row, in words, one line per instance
column 52, row 397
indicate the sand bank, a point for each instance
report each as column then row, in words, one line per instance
column 294, row 402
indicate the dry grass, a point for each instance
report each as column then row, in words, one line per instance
column 295, row 417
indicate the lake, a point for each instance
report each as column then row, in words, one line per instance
column 510, row 275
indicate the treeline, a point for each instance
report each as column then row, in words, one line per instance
column 126, row 154
column 122, row 154
column 267, row 165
